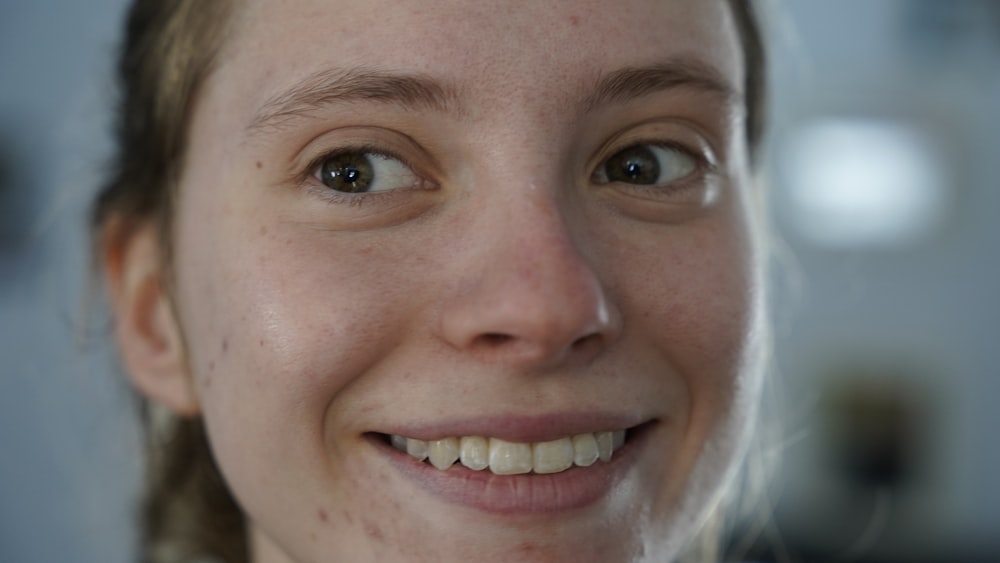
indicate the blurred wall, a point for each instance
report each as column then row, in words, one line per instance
column 68, row 452
column 887, row 347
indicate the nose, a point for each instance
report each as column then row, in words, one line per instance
column 526, row 294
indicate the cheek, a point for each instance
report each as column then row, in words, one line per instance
column 697, row 299
column 714, row 324
column 278, row 321
column 693, row 297
column 694, row 302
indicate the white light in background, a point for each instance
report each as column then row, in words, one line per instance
column 856, row 183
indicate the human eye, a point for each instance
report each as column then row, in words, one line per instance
column 363, row 170
column 647, row 164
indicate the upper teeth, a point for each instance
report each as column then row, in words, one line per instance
column 512, row 458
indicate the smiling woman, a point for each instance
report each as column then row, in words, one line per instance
column 449, row 283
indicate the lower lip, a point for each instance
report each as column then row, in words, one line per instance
column 531, row 493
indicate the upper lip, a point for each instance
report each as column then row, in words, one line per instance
column 519, row 428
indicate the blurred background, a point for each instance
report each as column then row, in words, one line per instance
column 884, row 180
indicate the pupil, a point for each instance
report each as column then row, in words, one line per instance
column 348, row 172
column 634, row 165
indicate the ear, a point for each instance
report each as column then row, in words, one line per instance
column 149, row 339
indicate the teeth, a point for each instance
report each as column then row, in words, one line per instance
column 514, row 458
column 554, row 456
column 399, row 442
column 605, row 445
column 509, row 458
column 416, row 448
column 475, row 452
column 443, row 453
column 584, row 449
column 617, row 439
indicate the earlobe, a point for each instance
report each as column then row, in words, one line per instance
column 148, row 335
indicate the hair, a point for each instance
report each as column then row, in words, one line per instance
column 169, row 49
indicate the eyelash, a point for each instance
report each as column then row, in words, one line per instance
column 704, row 165
column 308, row 176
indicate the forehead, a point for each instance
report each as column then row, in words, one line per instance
column 504, row 50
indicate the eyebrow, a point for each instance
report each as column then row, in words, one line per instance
column 413, row 91
column 631, row 83
column 410, row 91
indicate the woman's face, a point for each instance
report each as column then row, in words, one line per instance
column 403, row 222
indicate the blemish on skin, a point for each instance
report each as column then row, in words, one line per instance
column 348, row 517
column 573, row 20
column 374, row 532
column 312, row 536
column 263, row 230
column 526, row 549
column 260, row 165
column 225, row 344
column 323, row 517
column 261, row 343
column 211, row 366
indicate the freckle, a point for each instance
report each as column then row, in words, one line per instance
column 262, row 343
column 574, row 20
column 263, row 230
column 211, row 366
column 260, row 165
column 312, row 536
column 323, row 517
column 225, row 344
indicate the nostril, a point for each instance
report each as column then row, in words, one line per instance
column 494, row 339
column 587, row 342
column 498, row 342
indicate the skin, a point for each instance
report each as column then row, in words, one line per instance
column 505, row 282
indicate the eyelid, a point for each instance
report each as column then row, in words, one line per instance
column 670, row 133
column 313, row 165
column 385, row 143
column 378, row 140
column 701, row 158
column 704, row 161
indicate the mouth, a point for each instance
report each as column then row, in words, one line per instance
column 501, row 457
column 536, row 467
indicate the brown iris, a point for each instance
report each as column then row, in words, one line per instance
column 634, row 165
column 350, row 172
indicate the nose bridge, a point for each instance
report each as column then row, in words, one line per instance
column 539, row 253
column 531, row 294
